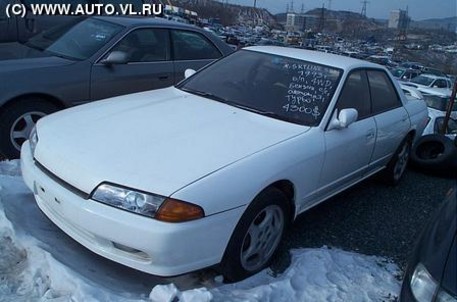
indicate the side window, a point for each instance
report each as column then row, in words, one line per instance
column 383, row 94
column 145, row 45
column 189, row 45
column 440, row 83
column 355, row 94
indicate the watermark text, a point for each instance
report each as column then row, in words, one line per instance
column 126, row 9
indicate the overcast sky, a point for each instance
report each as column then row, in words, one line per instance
column 418, row 9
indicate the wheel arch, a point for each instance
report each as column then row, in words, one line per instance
column 43, row 96
column 412, row 134
column 288, row 189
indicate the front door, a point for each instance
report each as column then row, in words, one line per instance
column 148, row 65
column 349, row 150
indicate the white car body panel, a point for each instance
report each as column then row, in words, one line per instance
column 91, row 224
column 191, row 140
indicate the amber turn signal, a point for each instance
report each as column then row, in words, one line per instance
column 173, row 210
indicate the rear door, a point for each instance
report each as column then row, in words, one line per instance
column 391, row 118
column 148, row 65
column 191, row 50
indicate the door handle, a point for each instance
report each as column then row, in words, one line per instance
column 163, row 78
column 404, row 118
column 370, row 134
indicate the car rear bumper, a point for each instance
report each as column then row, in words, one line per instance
column 164, row 249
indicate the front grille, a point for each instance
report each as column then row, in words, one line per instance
column 64, row 184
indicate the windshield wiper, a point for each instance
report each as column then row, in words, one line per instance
column 240, row 106
column 204, row 94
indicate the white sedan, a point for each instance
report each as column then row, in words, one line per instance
column 213, row 170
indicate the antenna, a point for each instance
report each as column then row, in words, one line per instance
column 364, row 8
column 302, row 11
column 292, row 6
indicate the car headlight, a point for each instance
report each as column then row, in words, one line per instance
column 425, row 288
column 33, row 140
column 147, row 204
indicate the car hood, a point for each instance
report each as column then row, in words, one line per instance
column 16, row 56
column 157, row 141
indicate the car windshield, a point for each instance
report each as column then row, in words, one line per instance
column 76, row 40
column 439, row 102
column 279, row 87
column 398, row 72
column 422, row 80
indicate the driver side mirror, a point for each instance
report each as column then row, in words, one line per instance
column 115, row 57
column 345, row 118
column 189, row 72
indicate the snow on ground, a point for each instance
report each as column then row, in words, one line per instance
column 39, row 263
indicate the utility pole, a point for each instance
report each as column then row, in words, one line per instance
column 364, row 8
column 255, row 2
column 322, row 19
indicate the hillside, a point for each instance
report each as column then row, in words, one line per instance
column 229, row 14
column 445, row 23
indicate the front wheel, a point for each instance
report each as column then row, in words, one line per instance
column 17, row 121
column 256, row 236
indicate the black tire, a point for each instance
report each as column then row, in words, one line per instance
column 17, row 120
column 269, row 215
column 395, row 169
column 434, row 152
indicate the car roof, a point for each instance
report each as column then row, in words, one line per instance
column 129, row 21
column 432, row 76
column 323, row 58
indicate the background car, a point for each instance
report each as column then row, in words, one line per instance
column 430, row 81
column 405, row 74
column 20, row 28
column 220, row 164
column 431, row 275
column 437, row 104
column 90, row 59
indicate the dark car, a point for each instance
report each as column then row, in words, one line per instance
column 90, row 59
column 431, row 275
column 405, row 74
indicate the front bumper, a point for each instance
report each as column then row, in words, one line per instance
column 145, row 244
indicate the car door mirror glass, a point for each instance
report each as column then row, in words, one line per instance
column 345, row 118
column 115, row 57
column 189, row 72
